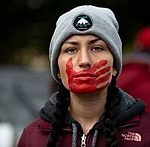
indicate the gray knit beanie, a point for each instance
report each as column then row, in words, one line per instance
column 86, row 19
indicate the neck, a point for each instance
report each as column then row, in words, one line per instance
column 87, row 108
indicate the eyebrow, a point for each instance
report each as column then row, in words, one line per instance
column 76, row 43
column 94, row 40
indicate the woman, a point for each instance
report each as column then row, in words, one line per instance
column 88, row 109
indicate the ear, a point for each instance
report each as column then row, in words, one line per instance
column 114, row 72
column 58, row 75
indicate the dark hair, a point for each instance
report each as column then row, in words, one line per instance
column 60, row 113
column 110, row 132
column 109, row 128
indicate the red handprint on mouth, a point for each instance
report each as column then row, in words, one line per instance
column 89, row 80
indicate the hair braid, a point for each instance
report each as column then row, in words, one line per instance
column 110, row 131
column 59, row 115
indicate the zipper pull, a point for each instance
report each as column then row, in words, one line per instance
column 83, row 140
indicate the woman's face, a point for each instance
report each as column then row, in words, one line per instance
column 85, row 64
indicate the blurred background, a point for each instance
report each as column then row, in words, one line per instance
column 26, row 28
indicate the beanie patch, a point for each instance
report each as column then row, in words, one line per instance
column 82, row 22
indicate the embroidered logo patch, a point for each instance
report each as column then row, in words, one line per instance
column 82, row 22
column 132, row 136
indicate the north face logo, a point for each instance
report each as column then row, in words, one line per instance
column 82, row 22
column 132, row 136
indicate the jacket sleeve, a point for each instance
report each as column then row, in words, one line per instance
column 22, row 140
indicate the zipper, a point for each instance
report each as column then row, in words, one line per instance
column 83, row 140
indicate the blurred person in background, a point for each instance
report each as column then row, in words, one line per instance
column 7, row 135
column 88, row 109
column 135, row 76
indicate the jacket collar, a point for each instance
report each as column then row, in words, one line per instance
column 129, row 109
column 47, row 126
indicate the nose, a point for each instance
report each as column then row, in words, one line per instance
column 84, row 59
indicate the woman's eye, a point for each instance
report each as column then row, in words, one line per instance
column 97, row 48
column 71, row 50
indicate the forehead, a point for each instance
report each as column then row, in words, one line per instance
column 84, row 39
column 78, row 37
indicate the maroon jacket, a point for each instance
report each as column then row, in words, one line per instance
column 135, row 132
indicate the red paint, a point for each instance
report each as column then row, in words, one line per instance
column 89, row 80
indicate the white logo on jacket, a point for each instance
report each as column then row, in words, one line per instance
column 132, row 136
